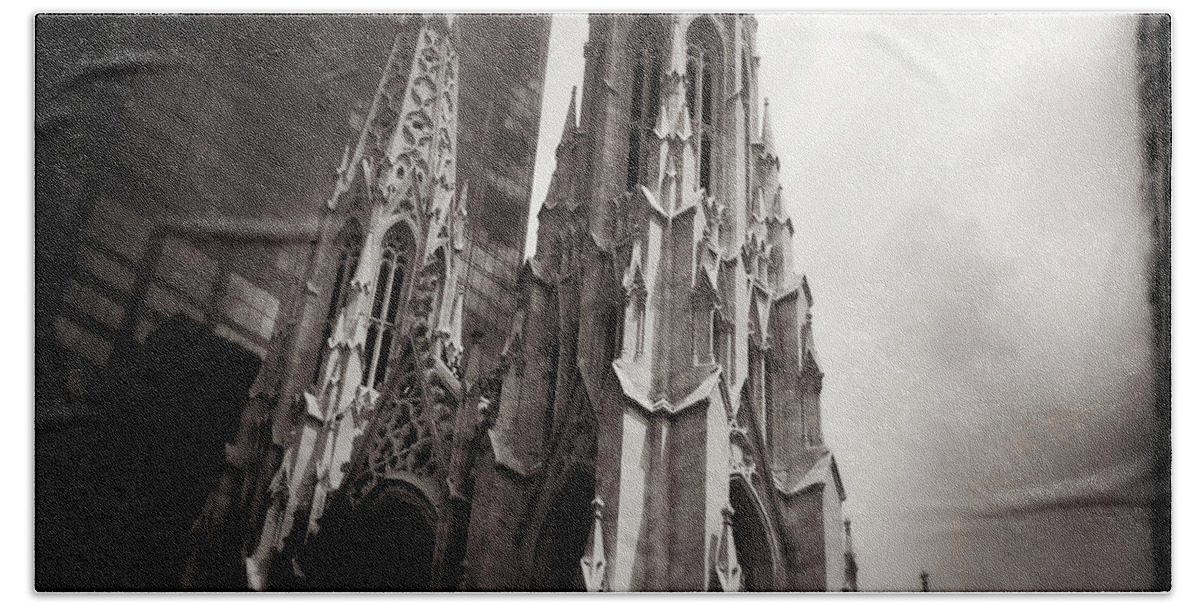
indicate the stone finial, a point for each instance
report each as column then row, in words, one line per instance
column 593, row 563
column 571, row 122
column 768, row 131
column 729, row 571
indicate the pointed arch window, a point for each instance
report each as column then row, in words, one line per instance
column 714, row 334
column 617, row 330
column 760, row 381
column 810, row 403
column 349, row 244
column 645, row 40
column 635, row 323
column 704, row 59
column 381, row 328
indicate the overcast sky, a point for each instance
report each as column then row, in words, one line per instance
column 965, row 194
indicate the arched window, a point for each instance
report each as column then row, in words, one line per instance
column 386, row 544
column 645, row 42
column 760, row 381
column 639, row 323
column 704, row 62
column 563, row 538
column 385, row 309
column 349, row 242
column 751, row 536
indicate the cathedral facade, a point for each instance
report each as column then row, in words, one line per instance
column 653, row 419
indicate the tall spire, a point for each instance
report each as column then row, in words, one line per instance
column 389, row 152
column 571, row 123
column 768, row 132
column 563, row 185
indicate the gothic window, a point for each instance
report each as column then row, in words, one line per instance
column 806, row 425
column 645, row 42
column 349, row 242
column 704, row 57
column 385, row 309
column 617, row 329
column 814, row 427
column 751, row 537
column 811, row 404
column 639, row 323
column 760, row 380
column 714, row 334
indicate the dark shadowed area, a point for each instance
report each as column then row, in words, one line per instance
column 182, row 168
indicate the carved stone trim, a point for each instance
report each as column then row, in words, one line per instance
column 728, row 570
column 593, row 562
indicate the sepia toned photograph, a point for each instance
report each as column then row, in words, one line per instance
column 607, row 302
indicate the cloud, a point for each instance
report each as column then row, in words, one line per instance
column 965, row 191
column 1126, row 484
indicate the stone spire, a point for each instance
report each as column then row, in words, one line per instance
column 571, row 122
column 768, row 131
column 564, row 182
column 769, row 220
column 677, row 149
column 403, row 164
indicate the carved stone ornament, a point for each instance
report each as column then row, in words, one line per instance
column 729, row 571
column 593, row 562
column 740, row 460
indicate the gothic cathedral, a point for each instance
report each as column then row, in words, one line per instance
column 653, row 422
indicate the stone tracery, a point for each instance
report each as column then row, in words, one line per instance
column 687, row 257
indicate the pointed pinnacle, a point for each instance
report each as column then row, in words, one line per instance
column 768, row 132
column 570, row 122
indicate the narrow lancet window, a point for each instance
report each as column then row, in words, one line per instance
column 385, row 309
column 712, row 336
column 703, row 62
column 640, row 329
column 646, row 42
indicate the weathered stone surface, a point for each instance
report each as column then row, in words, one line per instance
column 651, row 420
